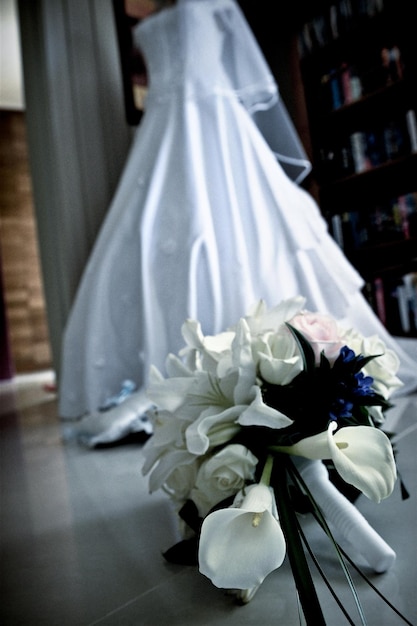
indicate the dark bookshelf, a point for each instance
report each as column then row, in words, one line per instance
column 358, row 67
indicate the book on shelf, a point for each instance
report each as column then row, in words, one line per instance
column 412, row 129
column 379, row 296
column 392, row 64
column 343, row 86
column 396, row 141
column 383, row 226
column 334, row 21
column 394, row 300
column 337, row 230
column 356, row 229
column 393, row 220
column 406, row 296
column 336, row 89
column 405, row 214
column 410, row 283
column 364, row 150
column 400, row 212
column 359, row 149
column 352, row 79
column 402, row 297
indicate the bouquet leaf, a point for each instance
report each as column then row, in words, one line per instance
column 302, row 575
column 184, row 552
column 307, row 352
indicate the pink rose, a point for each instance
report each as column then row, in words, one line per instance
column 322, row 332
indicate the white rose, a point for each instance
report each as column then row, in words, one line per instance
column 383, row 368
column 165, row 450
column 181, row 481
column 278, row 356
column 223, row 475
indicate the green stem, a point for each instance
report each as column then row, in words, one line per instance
column 267, row 470
column 289, row 523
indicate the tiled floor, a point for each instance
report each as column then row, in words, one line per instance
column 82, row 538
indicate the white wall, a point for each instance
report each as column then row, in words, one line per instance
column 11, row 88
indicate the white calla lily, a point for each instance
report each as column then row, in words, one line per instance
column 176, row 368
column 362, row 455
column 168, row 393
column 214, row 345
column 212, row 428
column 168, row 465
column 208, row 349
column 262, row 319
column 239, row 547
column 260, row 414
column 243, row 363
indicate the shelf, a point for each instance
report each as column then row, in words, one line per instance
column 358, row 33
column 392, row 95
column 392, row 178
column 393, row 258
column 373, row 213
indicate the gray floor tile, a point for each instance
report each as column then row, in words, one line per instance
column 82, row 539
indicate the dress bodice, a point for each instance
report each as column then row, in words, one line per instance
column 193, row 49
column 199, row 49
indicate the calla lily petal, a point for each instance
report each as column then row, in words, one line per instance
column 362, row 455
column 262, row 319
column 240, row 547
column 260, row 414
column 243, row 361
column 210, row 348
column 365, row 459
column 246, row 595
column 212, row 428
column 212, row 344
column 192, row 333
column 167, row 393
column 165, row 466
column 176, row 368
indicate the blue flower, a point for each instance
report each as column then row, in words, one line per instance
column 363, row 385
column 341, row 407
column 346, row 355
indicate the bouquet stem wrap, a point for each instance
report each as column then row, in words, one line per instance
column 351, row 527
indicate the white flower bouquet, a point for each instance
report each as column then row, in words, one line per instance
column 242, row 414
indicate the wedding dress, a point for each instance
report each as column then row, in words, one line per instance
column 208, row 217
